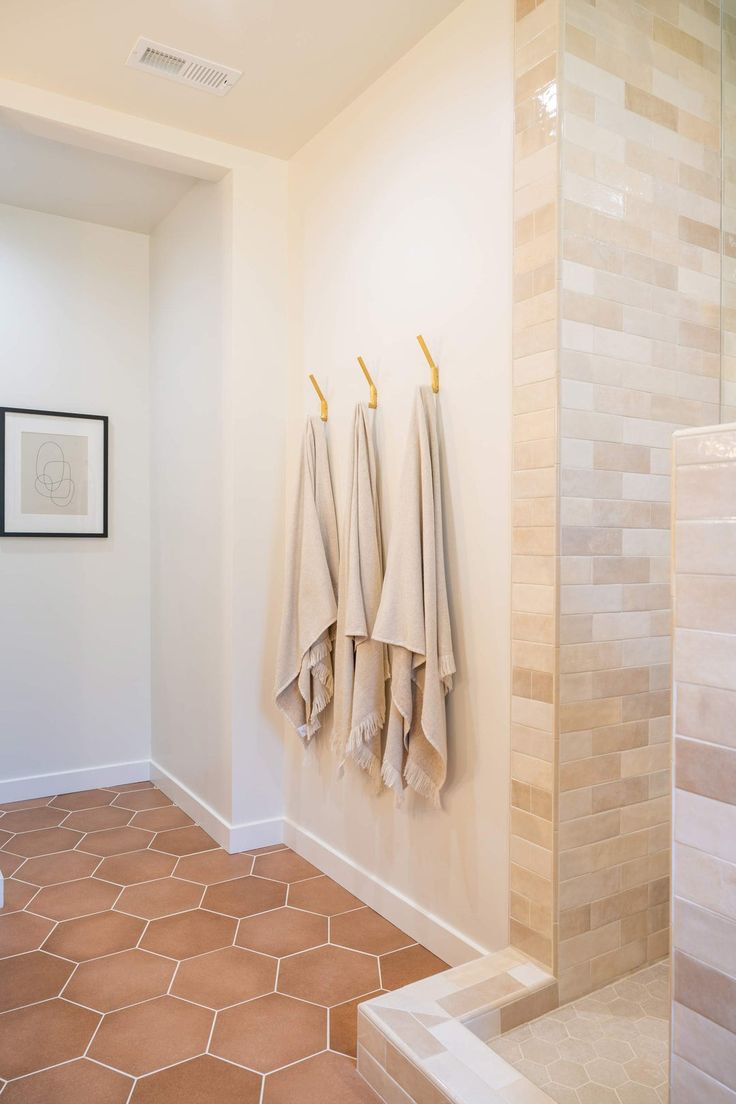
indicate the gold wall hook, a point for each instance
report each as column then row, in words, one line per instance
column 322, row 399
column 373, row 401
column 433, row 367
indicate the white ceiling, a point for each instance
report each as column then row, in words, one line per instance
column 303, row 61
column 66, row 180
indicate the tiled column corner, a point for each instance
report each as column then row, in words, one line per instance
column 616, row 346
column 535, row 475
column 639, row 359
column 704, row 899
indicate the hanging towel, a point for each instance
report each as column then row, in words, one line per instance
column 304, row 667
column 361, row 664
column 413, row 617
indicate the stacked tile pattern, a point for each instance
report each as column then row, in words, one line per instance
column 728, row 263
column 639, row 359
column 617, row 352
column 140, row 962
column 535, row 479
column 704, row 921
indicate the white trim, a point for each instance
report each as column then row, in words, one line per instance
column 88, row 778
column 436, row 935
column 233, row 837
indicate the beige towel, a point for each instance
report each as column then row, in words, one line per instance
column 361, row 664
column 413, row 617
column 304, row 666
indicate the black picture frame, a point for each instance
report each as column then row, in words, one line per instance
column 103, row 418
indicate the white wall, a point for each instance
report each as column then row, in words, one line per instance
column 74, row 644
column 190, row 719
column 401, row 217
column 219, row 380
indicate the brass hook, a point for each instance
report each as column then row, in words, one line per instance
column 373, row 401
column 434, row 369
column 322, row 399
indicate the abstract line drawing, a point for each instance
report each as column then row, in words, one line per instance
column 54, row 474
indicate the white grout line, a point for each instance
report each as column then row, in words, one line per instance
column 205, row 887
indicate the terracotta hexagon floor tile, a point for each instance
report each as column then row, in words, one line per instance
column 117, row 980
column 152, row 1035
column 183, row 841
column 52, row 869
column 245, row 896
column 325, row 1079
column 214, row 866
column 5, row 837
column 225, row 977
column 136, row 867
column 70, row 899
column 96, row 820
column 203, row 1080
column 42, row 1035
column 45, row 841
column 128, row 786
column 19, row 931
column 267, row 850
column 269, row 1032
column 142, row 799
column 16, row 895
column 188, row 934
column 161, row 820
column 344, row 1025
column 365, row 930
column 283, row 931
column 329, row 975
column 163, row 897
column 115, row 841
column 9, row 863
column 284, row 866
column 28, row 803
column 79, row 1082
column 85, row 799
column 28, row 820
column 93, row 936
column 412, row 964
column 29, row 978
column 322, row 895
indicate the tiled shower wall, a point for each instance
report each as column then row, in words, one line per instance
column 704, row 922
column 535, row 478
column 629, row 333
column 728, row 269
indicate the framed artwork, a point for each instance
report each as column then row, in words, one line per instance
column 53, row 474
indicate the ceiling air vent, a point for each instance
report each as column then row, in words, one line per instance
column 185, row 68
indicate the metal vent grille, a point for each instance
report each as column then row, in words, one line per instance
column 185, row 68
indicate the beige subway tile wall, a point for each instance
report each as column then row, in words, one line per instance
column 617, row 347
column 639, row 359
column 535, row 478
column 704, row 910
column 728, row 253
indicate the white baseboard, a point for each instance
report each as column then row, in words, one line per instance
column 439, row 937
column 233, row 837
column 47, row 785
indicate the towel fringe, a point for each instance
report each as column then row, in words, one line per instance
column 319, row 652
column 366, row 760
column 392, row 778
column 360, row 734
column 419, row 781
